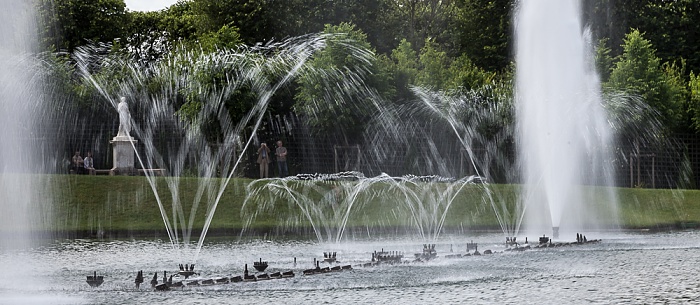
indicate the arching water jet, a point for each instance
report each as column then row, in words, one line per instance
column 185, row 122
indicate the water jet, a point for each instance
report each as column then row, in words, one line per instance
column 564, row 134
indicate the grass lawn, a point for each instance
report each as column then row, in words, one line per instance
column 82, row 205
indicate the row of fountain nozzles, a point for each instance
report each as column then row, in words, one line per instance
column 186, row 267
column 580, row 238
column 139, row 279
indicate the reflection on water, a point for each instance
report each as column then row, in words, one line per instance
column 635, row 268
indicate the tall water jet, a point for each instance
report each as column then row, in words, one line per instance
column 20, row 187
column 17, row 121
column 564, row 136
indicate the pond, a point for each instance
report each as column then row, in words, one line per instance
column 623, row 267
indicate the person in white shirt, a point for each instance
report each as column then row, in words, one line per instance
column 281, row 153
column 89, row 164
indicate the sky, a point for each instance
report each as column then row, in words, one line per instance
column 148, row 5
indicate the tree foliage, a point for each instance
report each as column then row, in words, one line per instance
column 433, row 62
column 72, row 23
column 405, row 69
column 669, row 25
column 441, row 44
column 485, row 32
column 421, row 20
column 672, row 27
column 603, row 59
column 640, row 71
column 253, row 18
column 336, row 91
column 694, row 92
column 433, row 68
column 466, row 75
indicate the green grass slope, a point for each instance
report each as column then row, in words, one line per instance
column 88, row 204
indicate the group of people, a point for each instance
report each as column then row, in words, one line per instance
column 264, row 159
column 82, row 166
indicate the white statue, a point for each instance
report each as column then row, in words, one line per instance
column 124, row 118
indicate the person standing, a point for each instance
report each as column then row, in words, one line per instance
column 77, row 163
column 281, row 153
column 264, row 160
column 89, row 164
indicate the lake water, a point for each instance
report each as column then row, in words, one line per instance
column 622, row 268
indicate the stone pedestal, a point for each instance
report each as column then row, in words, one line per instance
column 123, row 155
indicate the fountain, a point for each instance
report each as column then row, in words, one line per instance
column 564, row 137
column 563, row 133
column 333, row 204
column 480, row 120
column 328, row 203
column 214, row 159
column 25, row 204
column 420, row 202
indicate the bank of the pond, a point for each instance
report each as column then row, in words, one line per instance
column 121, row 206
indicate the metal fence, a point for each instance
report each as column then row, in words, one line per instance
column 673, row 165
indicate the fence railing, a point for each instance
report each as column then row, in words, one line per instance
column 669, row 166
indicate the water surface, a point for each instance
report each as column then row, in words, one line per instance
column 623, row 268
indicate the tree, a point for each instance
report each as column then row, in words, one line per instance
column 301, row 17
column 434, row 65
column 669, row 25
column 639, row 71
column 405, row 69
column 466, row 75
column 147, row 39
column 180, row 21
column 152, row 34
column 611, row 19
column 226, row 37
column 434, row 69
column 694, row 88
column 484, row 32
column 672, row 27
column 68, row 24
column 254, row 19
column 419, row 20
column 603, row 59
column 337, row 90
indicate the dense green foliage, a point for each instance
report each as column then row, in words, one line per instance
column 645, row 47
column 640, row 71
column 318, row 94
column 72, row 23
